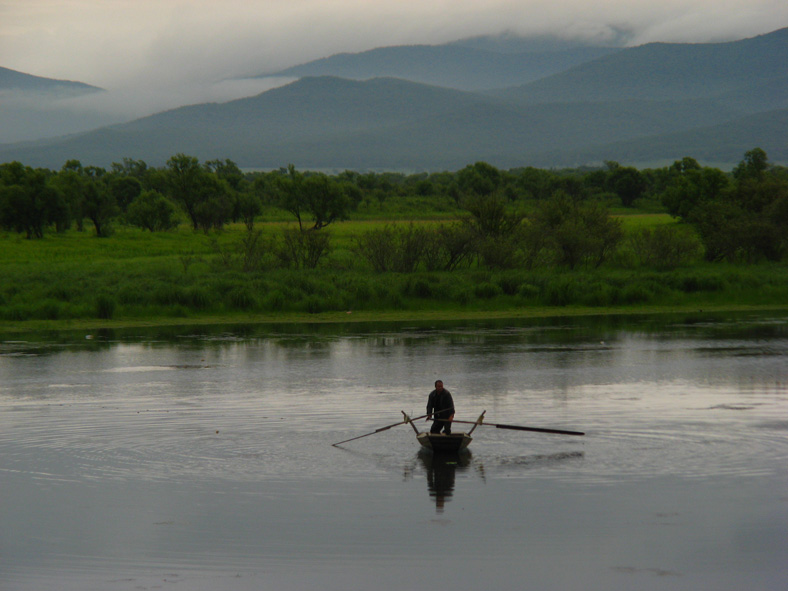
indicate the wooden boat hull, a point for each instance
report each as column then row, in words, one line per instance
column 444, row 444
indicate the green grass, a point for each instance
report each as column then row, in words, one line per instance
column 135, row 277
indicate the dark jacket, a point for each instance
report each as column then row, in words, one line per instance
column 441, row 404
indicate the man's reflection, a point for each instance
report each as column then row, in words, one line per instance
column 441, row 470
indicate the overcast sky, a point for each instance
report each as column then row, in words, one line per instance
column 125, row 44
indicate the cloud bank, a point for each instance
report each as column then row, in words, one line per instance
column 112, row 42
column 156, row 54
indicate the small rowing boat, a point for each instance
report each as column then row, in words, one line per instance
column 443, row 443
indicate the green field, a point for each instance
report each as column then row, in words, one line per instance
column 75, row 280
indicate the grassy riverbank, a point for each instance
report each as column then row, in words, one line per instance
column 136, row 278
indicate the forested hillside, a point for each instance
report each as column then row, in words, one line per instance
column 643, row 106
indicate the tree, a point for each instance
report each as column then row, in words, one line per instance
column 479, row 179
column 690, row 187
column 70, row 181
column 754, row 165
column 124, row 189
column 576, row 232
column 325, row 199
column 228, row 171
column 152, row 211
column 137, row 169
column 249, row 207
column 99, row 205
column 27, row 202
column 288, row 193
column 628, row 183
column 185, row 183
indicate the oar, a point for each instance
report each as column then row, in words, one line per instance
column 519, row 428
column 379, row 430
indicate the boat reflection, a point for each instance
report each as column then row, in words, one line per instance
column 441, row 470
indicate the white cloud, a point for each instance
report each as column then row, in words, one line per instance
column 160, row 53
column 112, row 41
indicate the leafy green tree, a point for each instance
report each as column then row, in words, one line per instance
column 137, row 169
column 186, row 181
column 480, row 179
column 627, row 182
column 152, row 211
column 27, row 202
column 690, row 186
column 215, row 204
column 744, row 224
column 249, row 207
column 228, row 171
column 70, row 181
column 753, row 166
column 124, row 189
column 288, row 193
column 326, row 200
column 576, row 232
column 99, row 204
column 535, row 183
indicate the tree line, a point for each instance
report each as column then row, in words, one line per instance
column 522, row 217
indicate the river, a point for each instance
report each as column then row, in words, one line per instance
column 202, row 458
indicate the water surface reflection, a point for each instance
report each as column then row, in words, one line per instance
column 203, row 457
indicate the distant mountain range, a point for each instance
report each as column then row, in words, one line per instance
column 452, row 65
column 11, row 80
column 644, row 105
column 37, row 107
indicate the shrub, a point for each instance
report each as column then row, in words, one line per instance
column 486, row 290
column 391, row 248
column 599, row 293
column 665, row 247
column 105, row 307
column 48, row 310
column 421, row 288
column 241, row 298
column 303, row 250
column 275, row 300
column 199, row 297
column 168, row 294
column 315, row 304
column 528, row 291
column 509, row 284
column 562, row 291
column 636, row 293
column 152, row 211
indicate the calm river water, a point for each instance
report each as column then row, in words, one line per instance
column 201, row 459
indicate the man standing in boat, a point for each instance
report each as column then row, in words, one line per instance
column 440, row 408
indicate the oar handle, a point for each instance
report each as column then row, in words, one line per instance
column 516, row 427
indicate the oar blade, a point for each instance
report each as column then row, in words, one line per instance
column 386, row 428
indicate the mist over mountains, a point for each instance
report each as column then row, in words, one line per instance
column 442, row 107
